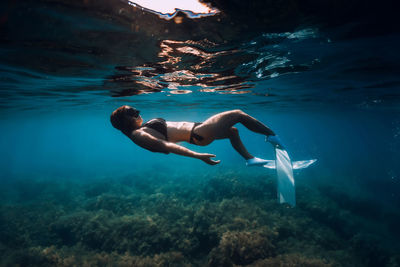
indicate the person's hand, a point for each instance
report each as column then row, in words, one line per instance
column 206, row 158
column 275, row 141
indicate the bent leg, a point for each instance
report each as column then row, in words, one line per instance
column 238, row 145
column 219, row 125
column 253, row 124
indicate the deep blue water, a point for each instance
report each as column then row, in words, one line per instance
column 330, row 88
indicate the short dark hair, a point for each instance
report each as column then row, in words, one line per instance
column 119, row 120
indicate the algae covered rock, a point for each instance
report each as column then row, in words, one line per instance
column 291, row 260
column 367, row 248
column 241, row 248
column 219, row 223
column 103, row 231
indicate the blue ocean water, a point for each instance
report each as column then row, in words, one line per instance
column 74, row 190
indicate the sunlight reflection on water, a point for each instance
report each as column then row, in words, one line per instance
column 169, row 9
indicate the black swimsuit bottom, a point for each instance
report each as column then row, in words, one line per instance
column 194, row 135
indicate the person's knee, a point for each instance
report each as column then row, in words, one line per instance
column 239, row 115
column 238, row 111
column 233, row 132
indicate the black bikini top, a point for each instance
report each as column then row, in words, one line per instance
column 159, row 124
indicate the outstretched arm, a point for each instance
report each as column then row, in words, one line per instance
column 149, row 142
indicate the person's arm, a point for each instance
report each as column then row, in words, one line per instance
column 149, row 142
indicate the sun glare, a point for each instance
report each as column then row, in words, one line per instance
column 169, row 7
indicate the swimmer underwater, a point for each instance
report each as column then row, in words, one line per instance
column 158, row 135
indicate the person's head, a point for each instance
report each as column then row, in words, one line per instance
column 126, row 119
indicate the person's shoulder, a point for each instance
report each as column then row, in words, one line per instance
column 136, row 133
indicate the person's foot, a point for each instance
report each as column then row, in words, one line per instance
column 275, row 141
column 256, row 162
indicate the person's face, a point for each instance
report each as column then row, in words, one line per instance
column 133, row 116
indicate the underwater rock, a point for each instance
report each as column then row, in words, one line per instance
column 96, row 189
column 367, row 248
column 325, row 211
column 102, row 231
column 394, row 261
column 119, row 205
column 26, row 257
column 78, row 256
column 230, row 186
column 68, row 228
column 291, row 260
column 176, row 225
column 241, row 248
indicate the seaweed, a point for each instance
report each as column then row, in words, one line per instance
column 241, row 248
column 226, row 219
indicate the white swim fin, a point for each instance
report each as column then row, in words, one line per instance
column 301, row 164
column 286, row 186
column 256, row 162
